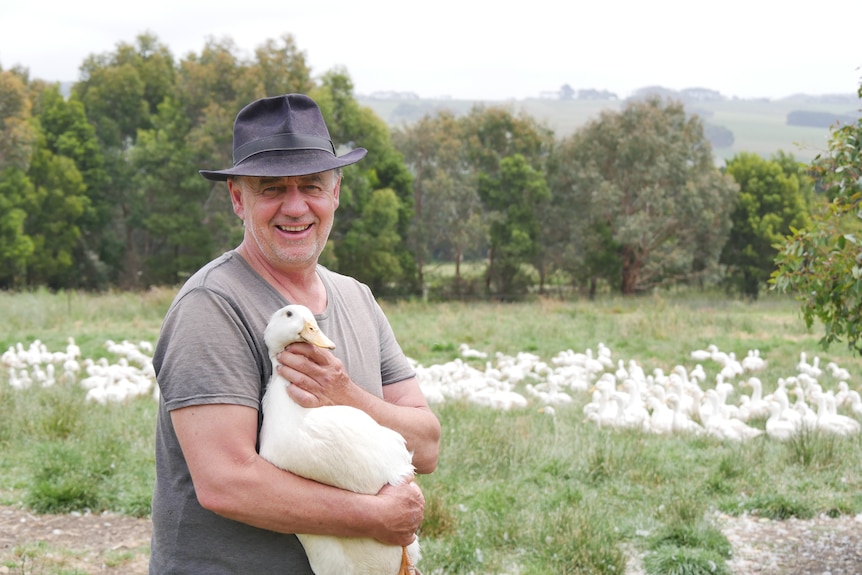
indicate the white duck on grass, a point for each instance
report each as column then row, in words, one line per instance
column 337, row 445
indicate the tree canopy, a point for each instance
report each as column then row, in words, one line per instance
column 822, row 264
column 100, row 188
column 769, row 206
column 641, row 186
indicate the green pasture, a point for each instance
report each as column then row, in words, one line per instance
column 516, row 491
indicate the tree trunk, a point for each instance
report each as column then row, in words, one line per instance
column 630, row 271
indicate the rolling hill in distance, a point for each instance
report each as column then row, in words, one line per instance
column 797, row 125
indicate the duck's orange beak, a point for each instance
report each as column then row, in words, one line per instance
column 312, row 334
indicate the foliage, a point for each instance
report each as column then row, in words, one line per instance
column 168, row 206
column 16, row 247
column 57, row 207
column 448, row 216
column 461, row 189
column 106, row 192
column 769, row 205
column 513, row 198
column 644, row 176
column 373, row 241
column 16, row 134
column 822, row 264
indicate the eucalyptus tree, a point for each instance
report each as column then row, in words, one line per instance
column 770, row 204
column 448, row 215
column 54, row 211
column 500, row 144
column 16, row 247
column 169, row 211
column 121, row 92
column 66, row 133
column 644, row 179
column 17, row 135
column 17, row 141
column 513, row 195
column 372, row 242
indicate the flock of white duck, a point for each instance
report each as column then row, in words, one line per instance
column 731, row 404
column 129, row 375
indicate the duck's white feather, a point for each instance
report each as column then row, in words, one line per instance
column 338, row 445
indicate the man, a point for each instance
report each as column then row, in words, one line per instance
column 218, row 507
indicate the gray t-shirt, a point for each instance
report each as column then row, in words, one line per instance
column 211, row 351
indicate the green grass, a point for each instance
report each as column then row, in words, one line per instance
column 515, row 491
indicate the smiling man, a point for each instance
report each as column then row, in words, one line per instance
column 218, row 507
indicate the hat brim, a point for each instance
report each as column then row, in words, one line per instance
column 279, row 164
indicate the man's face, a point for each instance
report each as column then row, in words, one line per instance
column 287, row 219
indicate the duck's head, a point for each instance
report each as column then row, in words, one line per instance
column 291, row 324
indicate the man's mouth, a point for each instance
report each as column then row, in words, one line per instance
column 291, row 229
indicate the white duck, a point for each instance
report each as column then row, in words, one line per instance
column 831, row 421
column 719, row 425
column 337, row 445
column 777, row 426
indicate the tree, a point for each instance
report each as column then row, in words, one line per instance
column 513, row 196
column 372, row 242
column 447, row 220
column 769, row 205
column 66, row 133
column 643, row 178
column 16, row 247
column 167, row 207
column 17, row 136
column 54, row 211
column 822, row 264
column 492, row 136
column 121, row 92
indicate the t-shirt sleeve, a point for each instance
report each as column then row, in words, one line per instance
column 394, row 366
column 207, row 354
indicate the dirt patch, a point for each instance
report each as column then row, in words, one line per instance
column 82, row 543
column 115, row 544
column 819, row 546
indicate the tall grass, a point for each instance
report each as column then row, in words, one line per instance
column 516, row 491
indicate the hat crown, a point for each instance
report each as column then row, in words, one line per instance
column 291, row 121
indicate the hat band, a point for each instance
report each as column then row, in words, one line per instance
column 281, row 142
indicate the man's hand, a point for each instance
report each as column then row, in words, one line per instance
column 402, row 511
column 318, row 378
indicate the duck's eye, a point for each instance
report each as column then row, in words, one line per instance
column 289, row 314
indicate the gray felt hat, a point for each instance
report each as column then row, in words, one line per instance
column 282, row 136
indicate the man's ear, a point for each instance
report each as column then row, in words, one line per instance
column 336, row 190
column 235, row 189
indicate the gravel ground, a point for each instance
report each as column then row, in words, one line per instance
column 116, row 544
column 820, row 546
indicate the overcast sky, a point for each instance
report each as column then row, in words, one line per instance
column 478, row 50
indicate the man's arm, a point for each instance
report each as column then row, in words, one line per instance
column 232, row 480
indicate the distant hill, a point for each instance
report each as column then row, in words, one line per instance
column 798, row 125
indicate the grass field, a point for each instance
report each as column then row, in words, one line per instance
column 516, row 491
